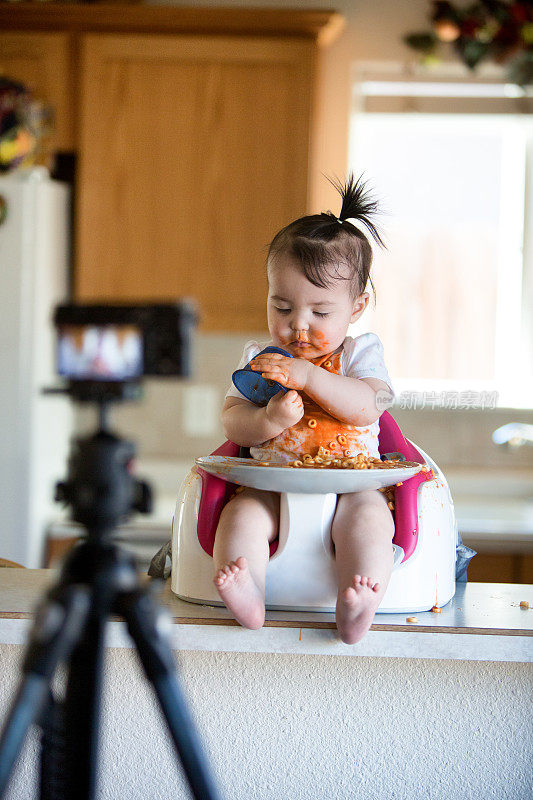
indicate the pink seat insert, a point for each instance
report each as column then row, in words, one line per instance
column 216, row 492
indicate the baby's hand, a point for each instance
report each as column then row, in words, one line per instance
column 290, row 372
column 285, row 409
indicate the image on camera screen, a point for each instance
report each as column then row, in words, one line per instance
column 100, row 352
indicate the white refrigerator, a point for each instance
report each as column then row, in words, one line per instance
column 34, row 428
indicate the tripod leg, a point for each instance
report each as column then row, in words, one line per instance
column 82, row 701
column 27, row 705
column 57, row 626
column 148, row 625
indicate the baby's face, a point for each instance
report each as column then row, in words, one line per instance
column 307, row 320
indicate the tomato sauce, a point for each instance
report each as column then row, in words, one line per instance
column 340, row 438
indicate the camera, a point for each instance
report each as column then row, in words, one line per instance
column 105, row 350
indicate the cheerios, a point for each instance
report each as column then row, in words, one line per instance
column 341, row 439
column 312, row 423
column 324, row 460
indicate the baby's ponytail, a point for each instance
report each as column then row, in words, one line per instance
column 322, row 243
column 357, row 204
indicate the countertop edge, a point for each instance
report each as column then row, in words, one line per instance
column 482, row 622
column 226, row 637
column 301, row 625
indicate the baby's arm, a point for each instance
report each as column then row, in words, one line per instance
column 247, row 424
column 351, row 400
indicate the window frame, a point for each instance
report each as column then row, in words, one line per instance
column 513, row 383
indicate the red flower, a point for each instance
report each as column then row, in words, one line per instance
column 521, row 12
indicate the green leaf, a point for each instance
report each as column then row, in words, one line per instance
column 472, row 51
column 421, row 42
column 521, row 69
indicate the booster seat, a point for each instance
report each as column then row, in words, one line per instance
column 301, row 571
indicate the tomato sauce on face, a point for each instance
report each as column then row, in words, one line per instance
column 340, row 438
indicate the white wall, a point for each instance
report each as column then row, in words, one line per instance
column 317, row 728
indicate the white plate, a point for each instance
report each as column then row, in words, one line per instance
column 246, row 472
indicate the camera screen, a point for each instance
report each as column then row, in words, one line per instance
column 100, row 352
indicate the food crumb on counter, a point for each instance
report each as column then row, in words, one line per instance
column 436, row 610
column 411, row 619
column 524, row 603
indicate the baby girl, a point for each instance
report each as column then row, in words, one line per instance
column 318, row 268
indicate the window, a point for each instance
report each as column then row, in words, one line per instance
column 452, row 287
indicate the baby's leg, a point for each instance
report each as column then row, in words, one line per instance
column 362, row 532
column 247, row 524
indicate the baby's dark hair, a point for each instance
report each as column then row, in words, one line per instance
column 322, row 243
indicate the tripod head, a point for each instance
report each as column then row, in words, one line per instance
column 100, row 487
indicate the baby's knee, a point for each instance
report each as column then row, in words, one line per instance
column 250, row 502
column 369, row 508
column 361, row 502
column 242, row 499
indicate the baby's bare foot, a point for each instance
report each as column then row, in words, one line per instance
column 356, row 607
column 241, row 596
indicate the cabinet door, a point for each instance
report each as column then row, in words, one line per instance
column 42, row 62
column 194, row 152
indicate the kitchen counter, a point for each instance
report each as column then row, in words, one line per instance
column 483, row 622
column 441, row 714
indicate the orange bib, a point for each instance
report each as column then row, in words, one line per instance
column 317, row 429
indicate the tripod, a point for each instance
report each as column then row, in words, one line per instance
column 96, row 580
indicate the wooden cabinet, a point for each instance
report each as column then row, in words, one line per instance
column 501, row 568
column 194, row 151
column 193, row 131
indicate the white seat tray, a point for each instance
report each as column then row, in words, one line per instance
column 247, row 472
